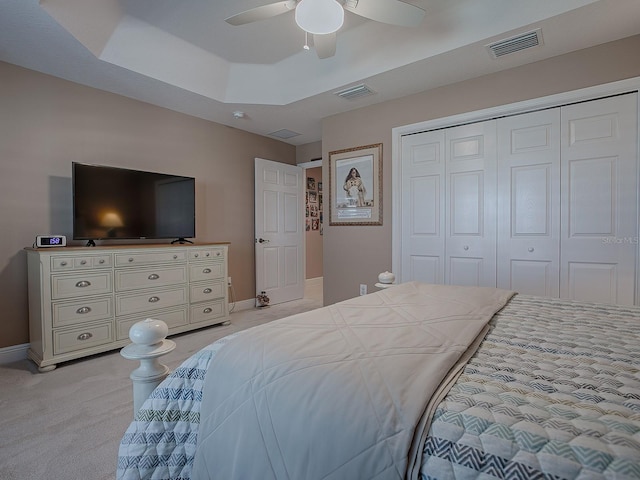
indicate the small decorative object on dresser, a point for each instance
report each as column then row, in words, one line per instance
column 84, row 300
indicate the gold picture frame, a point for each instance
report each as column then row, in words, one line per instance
column 355, row 186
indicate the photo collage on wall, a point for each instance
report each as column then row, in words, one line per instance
column 313, row 205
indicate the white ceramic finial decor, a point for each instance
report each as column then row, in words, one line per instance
column 149, row 344
column 386, row 277
column 148, row 332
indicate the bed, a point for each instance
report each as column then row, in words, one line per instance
column 483, row 384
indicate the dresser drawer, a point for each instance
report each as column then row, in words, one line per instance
column 206, row 253
column 148, row 301
column 207, row 312
column 206, row 291
column 81, row 284
column 206, row 271
column 130, row 279
column 151, row 257
column 82, row 338
column 66, row 263
column 174, row 319
column 81, row 311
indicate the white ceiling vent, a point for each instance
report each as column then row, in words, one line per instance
column 355, row 92
column 284, row 134
column 515, row 44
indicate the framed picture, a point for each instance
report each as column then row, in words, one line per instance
column 355, row 186
column 311, row 183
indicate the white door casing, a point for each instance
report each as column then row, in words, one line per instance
column 279, row 230
column 599, row 200
column 529, row 203
column 606, row 175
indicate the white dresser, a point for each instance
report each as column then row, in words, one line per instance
column 83, row 300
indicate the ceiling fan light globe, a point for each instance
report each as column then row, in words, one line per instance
column 319, row 17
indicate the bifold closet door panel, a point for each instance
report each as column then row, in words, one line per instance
column 470, row 218
column 528, row 259
column 422, row 207
column 599, row 200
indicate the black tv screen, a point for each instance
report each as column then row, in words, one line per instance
column 119, row 203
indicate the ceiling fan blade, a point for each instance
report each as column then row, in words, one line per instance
column 325, row 45
column 260, row 13
column 394, row 12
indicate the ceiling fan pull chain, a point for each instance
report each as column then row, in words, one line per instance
column 306, row 40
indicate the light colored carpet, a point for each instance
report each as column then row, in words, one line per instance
column 67, row 424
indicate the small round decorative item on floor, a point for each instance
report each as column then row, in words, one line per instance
column 262, row 300
column 386, row 277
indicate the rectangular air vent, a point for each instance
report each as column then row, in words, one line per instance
column 515, row 44
column 284, row 134
column 355, row 92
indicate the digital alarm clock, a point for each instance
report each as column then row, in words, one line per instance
column 51, row 241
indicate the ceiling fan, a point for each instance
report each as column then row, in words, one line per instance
column 323, row 18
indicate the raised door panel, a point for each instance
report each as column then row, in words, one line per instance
column 529, row 203
column 599, row 200
column 470, row 215
column 423, row 207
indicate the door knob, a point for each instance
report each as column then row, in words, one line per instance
column 262, row 240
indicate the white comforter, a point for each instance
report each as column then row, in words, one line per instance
column 342, row 392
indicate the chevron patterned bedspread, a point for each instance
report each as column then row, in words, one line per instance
column 552, row 393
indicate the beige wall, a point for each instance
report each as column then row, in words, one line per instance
column 308, row 152
column 358, row 254
column 313, row 238
column 47, row 123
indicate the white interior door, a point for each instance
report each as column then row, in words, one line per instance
column 470, row 221
column 529, row 203
column 279, row 230
column 599, row 200
column 422, row 207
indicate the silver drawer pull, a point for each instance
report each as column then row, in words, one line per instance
column 207, row 310
column 206, row 290
column 217, row 254
column 531, row 249
column 206, row 270
column 83, row 310
column 175, row 257
column 196, row 255
column 208, row 254
column 83, row 283
column 154, row 276
column 83, row 262
column 63, row 263
column 154, row 299
column 101, row 261
column 130, row 259
column 85, row 336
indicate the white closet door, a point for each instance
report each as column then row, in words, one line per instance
column 422, row 207
column 529, row 203
column 470, row 219
column 599, row 200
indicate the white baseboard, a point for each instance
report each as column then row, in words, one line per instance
column 14, row 353
column 244, row 305
column 313, row 282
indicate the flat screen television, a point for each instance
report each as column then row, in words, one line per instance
column 117, row 203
